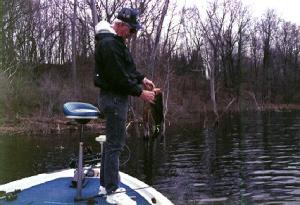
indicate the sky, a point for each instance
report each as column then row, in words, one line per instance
column 286, row 9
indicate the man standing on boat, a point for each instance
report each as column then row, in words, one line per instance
column 117, row 77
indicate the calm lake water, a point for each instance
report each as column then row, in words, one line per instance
column 251, row 158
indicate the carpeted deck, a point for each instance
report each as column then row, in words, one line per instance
column 59, row 192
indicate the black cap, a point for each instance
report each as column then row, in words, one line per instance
column 129, row 16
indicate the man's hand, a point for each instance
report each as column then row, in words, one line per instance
column 148, row 96
column 149, row 85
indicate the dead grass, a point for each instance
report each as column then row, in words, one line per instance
column 36, row 125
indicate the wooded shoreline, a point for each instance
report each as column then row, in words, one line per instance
column 59, row 124
column 216, row 60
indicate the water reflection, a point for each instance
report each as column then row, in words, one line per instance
column 251, row 158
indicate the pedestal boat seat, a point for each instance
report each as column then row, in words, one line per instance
column 81, row 113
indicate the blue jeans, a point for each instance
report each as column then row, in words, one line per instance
column 114, row 108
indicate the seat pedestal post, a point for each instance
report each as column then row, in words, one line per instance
column 80, row 167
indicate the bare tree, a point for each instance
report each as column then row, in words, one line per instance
column 286, row 51
column 212, row 29
column 243, row 22
column 74, row 71
column 255, row 46
column 268, row 27
column 158, row 35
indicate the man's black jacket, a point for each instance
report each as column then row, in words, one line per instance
column 115, row 70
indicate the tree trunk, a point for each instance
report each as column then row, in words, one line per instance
column 74, row 71
column 1, row 38
column 157, row 37
column 213, row 92
column 94, row 13
column 238, row 66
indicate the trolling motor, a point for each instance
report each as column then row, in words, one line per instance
column 89, row 159
column 82, row 113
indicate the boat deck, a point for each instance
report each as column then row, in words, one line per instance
column 58, row 191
